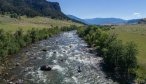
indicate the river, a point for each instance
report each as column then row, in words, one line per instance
column 66, row 54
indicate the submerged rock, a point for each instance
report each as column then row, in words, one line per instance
column 45, row 68
column 17, row 64
column 62, row 60
column 56, row 41
column 70, row 46
column 79, row 69
column 54, row 52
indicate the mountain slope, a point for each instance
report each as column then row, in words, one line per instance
column 142, row 21
column 32, row 8
column 137, row 21
column 133, row 21
column 76, row 18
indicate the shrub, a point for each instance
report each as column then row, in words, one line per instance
column 14, row 15
column 11, row 43
column 119, row 58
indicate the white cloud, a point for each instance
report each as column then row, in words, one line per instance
column 137, row 14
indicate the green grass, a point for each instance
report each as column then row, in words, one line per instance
column 137, row 34
column 11, row 24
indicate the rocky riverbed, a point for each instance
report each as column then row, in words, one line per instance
column 67, row 55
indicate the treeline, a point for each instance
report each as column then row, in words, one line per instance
column 11, row 43
column 32, row 8
column 119, row 58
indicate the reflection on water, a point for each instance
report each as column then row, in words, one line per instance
column 66, row 54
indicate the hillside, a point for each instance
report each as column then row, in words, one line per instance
column 11, row 24
column 142, row 21
column 32, row 8
column 133, row 21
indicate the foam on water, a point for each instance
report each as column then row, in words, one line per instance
column 49, row 54
column 42, row 77
column 55, row 61
column 75, row 79
column 84, row 60
column 67, row 80
column 58, row 68
column 37, row 76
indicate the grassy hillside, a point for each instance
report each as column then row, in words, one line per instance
column 11, row 24
column 136, row 33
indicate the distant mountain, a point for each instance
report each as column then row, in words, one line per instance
column 76, row 18
column 104, row 21
column 32, row 8
column 107, row 21
column 99, row 21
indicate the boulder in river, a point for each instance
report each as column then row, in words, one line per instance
column 45, row 50
column 45, row 68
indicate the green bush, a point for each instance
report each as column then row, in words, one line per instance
column 15, row 15
column 11, row 43
column 119, row 58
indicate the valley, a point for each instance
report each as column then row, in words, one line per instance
column 66, row 42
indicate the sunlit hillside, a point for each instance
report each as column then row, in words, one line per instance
column 11, row 24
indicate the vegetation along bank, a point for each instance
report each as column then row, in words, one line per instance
column 119, row 58
column 12, row 42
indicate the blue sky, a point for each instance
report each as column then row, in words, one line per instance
column 126, row 9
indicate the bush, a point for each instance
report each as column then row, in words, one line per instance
column 14, row 15
column 11, row 43
column 119, row 58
